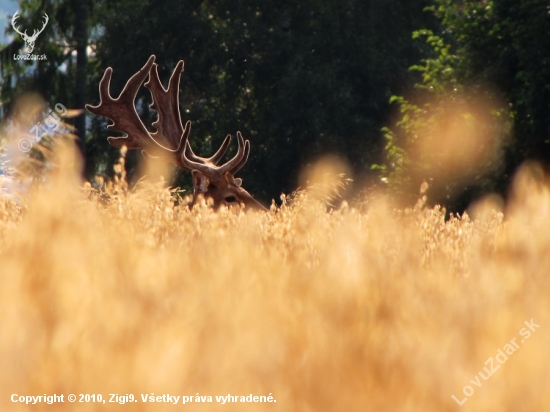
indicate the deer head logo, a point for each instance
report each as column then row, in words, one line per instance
column 29, row 40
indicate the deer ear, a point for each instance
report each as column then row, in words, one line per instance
column 200, row 181
column 231, row 180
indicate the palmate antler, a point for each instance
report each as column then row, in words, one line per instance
column 170, row 136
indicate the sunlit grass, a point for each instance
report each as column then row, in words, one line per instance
column 363, row 308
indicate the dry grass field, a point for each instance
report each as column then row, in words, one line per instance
column 356, row 309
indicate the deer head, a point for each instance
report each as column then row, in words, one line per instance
column 29, row 40
column 171, row 138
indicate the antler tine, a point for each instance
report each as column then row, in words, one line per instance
column 216, row 157
column 236, row 161
column 184, row 143
column 47, row 19
column 13, row 19
column 36, row 32
column 213, row 172
column 123, row 112
column 195, row 162
column 166, row 104
column 244, row 159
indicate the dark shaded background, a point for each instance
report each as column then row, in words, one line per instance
column 299, row 79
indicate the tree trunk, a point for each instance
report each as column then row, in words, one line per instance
column 81, row 37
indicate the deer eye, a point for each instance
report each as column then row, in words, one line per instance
column 230, row 199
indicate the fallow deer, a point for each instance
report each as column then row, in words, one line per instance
column 171, row 138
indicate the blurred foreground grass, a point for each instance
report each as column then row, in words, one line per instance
column 368, row 309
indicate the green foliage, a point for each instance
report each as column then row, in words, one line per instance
column 493, row 52
column 438, row 72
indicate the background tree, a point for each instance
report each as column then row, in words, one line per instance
column 62, row 78
column 299, row 80
column 495, row 51
column 81, row 46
